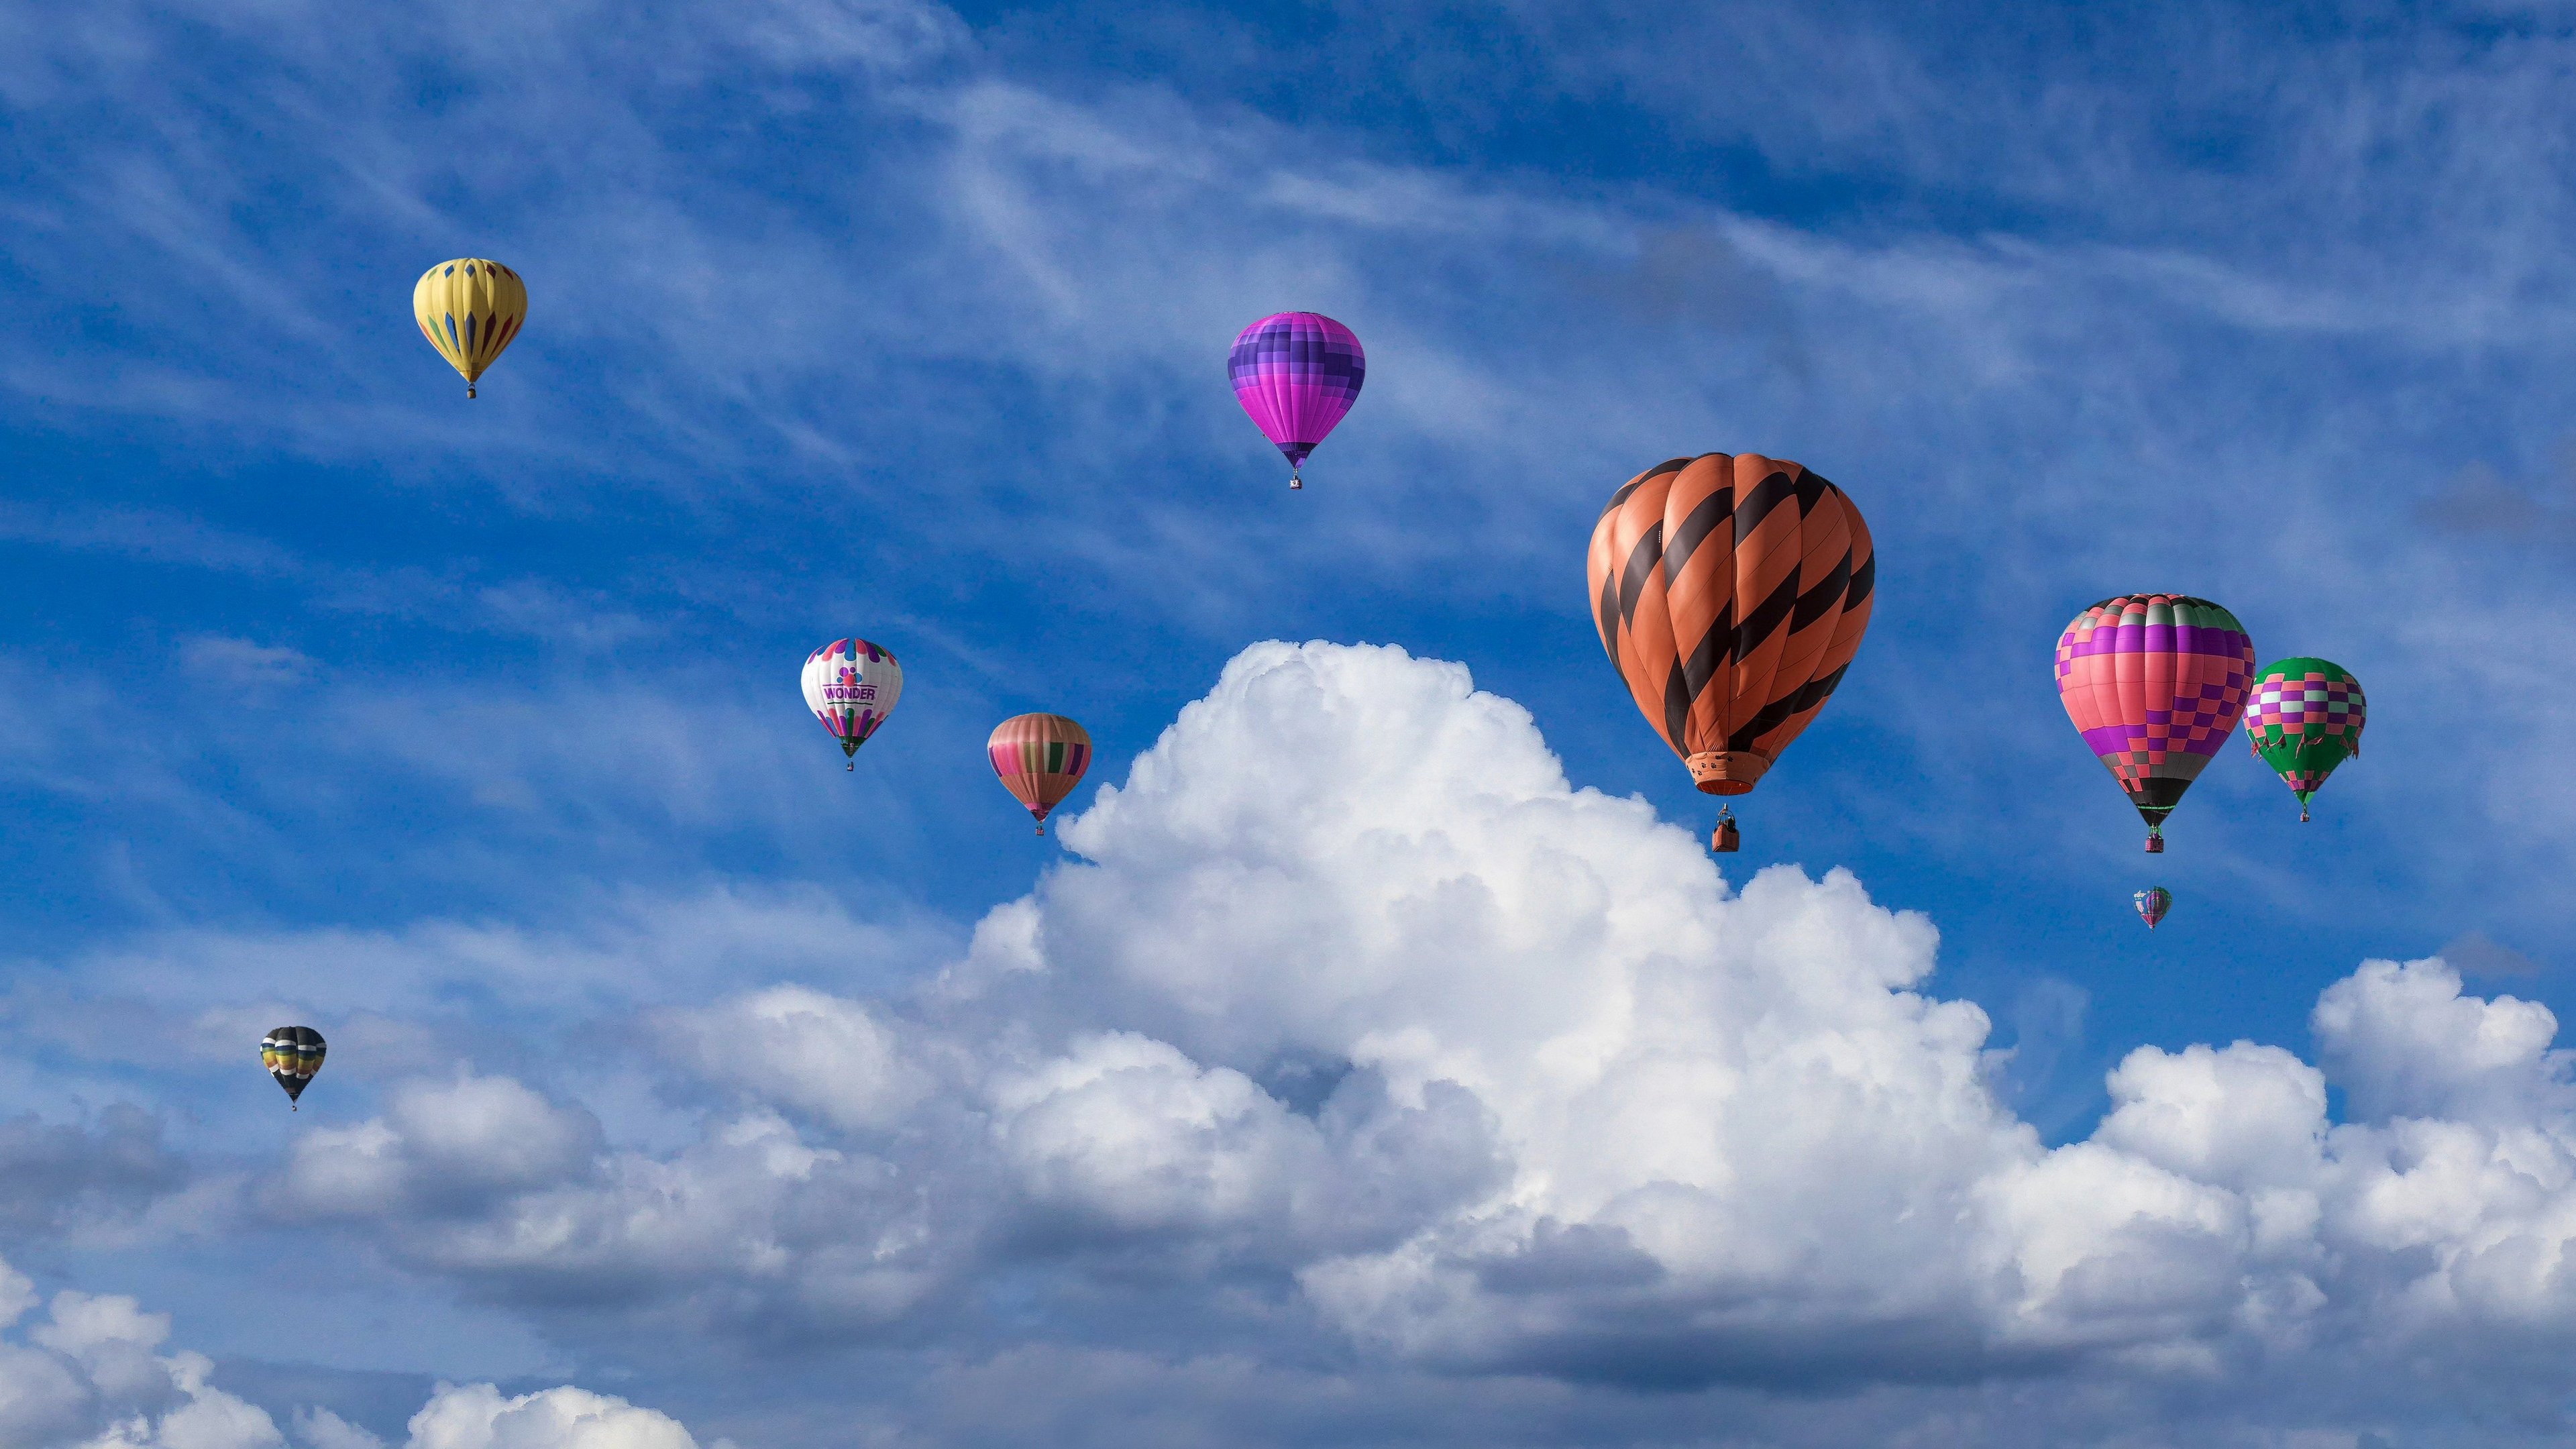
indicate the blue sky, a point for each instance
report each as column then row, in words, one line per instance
column 469, row 733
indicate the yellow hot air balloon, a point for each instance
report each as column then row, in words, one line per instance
column 469, row 309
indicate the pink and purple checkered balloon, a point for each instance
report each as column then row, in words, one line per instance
column 1296, row 374
column 2155, row 682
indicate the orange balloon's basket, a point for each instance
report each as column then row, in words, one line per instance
column 1725, row 839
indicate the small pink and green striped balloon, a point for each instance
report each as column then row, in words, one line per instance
column 1039, row 758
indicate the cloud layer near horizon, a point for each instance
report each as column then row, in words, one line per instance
column 1351, row 1021
column 90, row 1375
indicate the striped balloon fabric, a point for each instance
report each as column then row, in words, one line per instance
column 1296, row 374
column 1039, row 759
column 469, row 309
column 1731, row 593
column 2155, row 683
column 852, row 685
column 2153, row 902
column 292, row 1055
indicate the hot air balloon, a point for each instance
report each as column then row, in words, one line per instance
column 469, row 309
column 1040, row 758
column 2304, row 719
column 292, row 1054
column 1296, row 374
column 2155, row 683
column 851, row 685
column 2153, row 902
column 1731, row 594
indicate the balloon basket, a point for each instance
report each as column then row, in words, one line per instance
column 2155, row 845
column 1296, row 482
column 1725, row 839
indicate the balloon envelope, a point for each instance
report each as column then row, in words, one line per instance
column 2153, row 902
column 1039, row 759
column 292, row 1055
column 2305, row 718
column 2155, row 683
column 469, row 309
column 1296, row 374
column 852, row 685
column 1730, row 594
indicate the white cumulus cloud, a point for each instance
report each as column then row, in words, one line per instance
column 803, row 1049
column 478, row 1416
column 1347, row 991
column 93, row 1374
column 1728, row 1129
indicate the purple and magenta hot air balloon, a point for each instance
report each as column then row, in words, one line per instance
column 1296, row 374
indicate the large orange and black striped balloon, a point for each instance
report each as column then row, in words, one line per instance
column 1731, row 594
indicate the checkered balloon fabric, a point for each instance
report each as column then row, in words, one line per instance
column 2154, row 683
column 2304, row 719
column 1296, row 375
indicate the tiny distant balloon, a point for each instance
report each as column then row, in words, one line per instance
column 2155, row 683
column 852, row 685
column 2305, row 719
column 2153, row 902
column 469, row 309
column 292, row 1055
column 1039, row 759
column 1296, row 374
